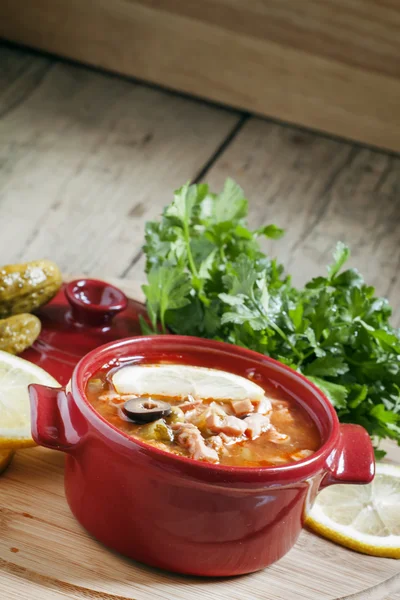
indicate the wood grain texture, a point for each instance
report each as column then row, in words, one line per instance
column 38, row 533
column 83, row 152
column 327, row 65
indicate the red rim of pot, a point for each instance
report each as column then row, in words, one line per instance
column 299, row 470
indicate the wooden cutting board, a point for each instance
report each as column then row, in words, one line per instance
column 46, row 555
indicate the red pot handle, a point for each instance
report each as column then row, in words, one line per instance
column 353, row 461
column 55, row 420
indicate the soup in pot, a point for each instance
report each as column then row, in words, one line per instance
column 205, row 414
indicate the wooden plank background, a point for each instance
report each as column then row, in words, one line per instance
column 332, row 65
column 87, row 158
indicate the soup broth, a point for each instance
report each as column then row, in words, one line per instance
column 246, row 431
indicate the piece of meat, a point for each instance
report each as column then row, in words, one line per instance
column 274, row 436
column 256, row 424
column 262, row 406
column 229, row 440
column 195, row 415
column 226, row 407
column 217, row 421
column 189, row 404
column 188, row 436
column 215, row 442
column 221, row 442
column 242, row 407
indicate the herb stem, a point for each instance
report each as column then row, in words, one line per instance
column 189, row 251
column 305, row 356
column 284, row 337
column 162, row 320
column 197, row 284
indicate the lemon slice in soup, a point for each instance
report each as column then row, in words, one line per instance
column 178, row 381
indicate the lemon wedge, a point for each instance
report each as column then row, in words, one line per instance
column 365, row 518
column 181, row 380
column 15, row 376
column 5, row 459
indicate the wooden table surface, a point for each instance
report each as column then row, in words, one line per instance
column 86, row 158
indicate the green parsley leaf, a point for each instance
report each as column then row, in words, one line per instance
column 270, row 231
column 231, row 205
column 184, row 202
column 379, row 454
column 337, row 394
column 327, row 366
column 167, row 288
column 340, row 255
column 386, row 416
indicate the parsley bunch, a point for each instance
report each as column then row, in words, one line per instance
column 208, row 277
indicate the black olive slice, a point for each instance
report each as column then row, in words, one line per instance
column 145, row 410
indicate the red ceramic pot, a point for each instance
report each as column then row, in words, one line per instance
column 177, row 513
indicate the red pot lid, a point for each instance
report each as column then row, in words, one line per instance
column 85, row 314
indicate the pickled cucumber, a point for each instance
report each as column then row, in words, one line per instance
column 18, row 333
column 157, row 430
column 177, row 416
column 25, row 287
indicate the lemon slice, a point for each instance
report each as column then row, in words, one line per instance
column 182, row 380
column 365, row 518
column 5, row 459
column 15, row 376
